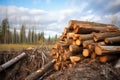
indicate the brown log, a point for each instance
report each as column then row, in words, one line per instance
column 101, row 44
column 66, row 30
column 83, row 30
column 76, row 36
column 61, row 38
column 74, row 59
column 69, row 41
column 102, row 50
column 87, row 42
column 35, row 75
column 12, row 61
column 93, row 55
column 78, row 42
column 112, row 40
column 89, row 24
column 102, row 36
column 60, row 45
column 75, row 49
column 74, row 42
column 107, row 58
column 86, row 52
column 84, row 37
column 70, row 35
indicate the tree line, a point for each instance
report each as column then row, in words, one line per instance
column 21, row 37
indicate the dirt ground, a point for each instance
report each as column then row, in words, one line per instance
column 84, row 70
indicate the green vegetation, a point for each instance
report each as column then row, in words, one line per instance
column 9, row 37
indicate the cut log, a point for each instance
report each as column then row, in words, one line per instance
column 85, row 30
column 93, row 55
column 107, row 58
column 87, row 42
column 70, row 35
column 74, row 42
column 60, row 45
column 76, row 36
column 84, row 37
column 101, row 44
column 86, row 52
column 112, row 40
column 89, row 24
column 69, row 41
column 78, row 42
column 12, row 61
column 102, row 36
column 75, row 49
column 66, row 30
column 74, row 59
column 102, row 50
column 35, row 75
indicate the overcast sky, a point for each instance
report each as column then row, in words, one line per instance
column 51, row 16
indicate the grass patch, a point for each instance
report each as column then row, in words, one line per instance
column 4, row 47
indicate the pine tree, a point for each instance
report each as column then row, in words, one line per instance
column 22, row 34
column 5, row 30
column 15, row 36
column 49, row 39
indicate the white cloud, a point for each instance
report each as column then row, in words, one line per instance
column 113, row 3
column 51, row 22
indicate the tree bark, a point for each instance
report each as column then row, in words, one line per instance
column 102, row 36
column 83, row 30
column 35, row 75
column 87, row 42
column 112, row 40
column 75, row 49
column 70, row 35
column 102, row 50
column 12, row 61
column 84, row 37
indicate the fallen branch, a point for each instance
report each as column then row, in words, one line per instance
column 12, row 61
column 35, row 75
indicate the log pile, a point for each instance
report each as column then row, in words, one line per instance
column 82, row 40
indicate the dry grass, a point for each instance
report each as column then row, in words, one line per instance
column 14, row 46
column 4, row 47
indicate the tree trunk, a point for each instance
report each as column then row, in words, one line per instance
column 102, row 50
column 112, row 40
column 75, row 49
column 66, row 30
column 107, row 58
column 102, row 36
column 84, row 37
column 70, row 35
column 86, row 52
column 35, row 75
column 83, row 30
column 12, row 61
column 87, row 42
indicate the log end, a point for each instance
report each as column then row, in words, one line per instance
column 78, row 42
column 85, row 52
column 103, row 59
column 74, row 59
column 98, row 50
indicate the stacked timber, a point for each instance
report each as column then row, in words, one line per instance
column 82, row 40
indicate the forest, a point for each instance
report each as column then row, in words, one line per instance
column 22, row 37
